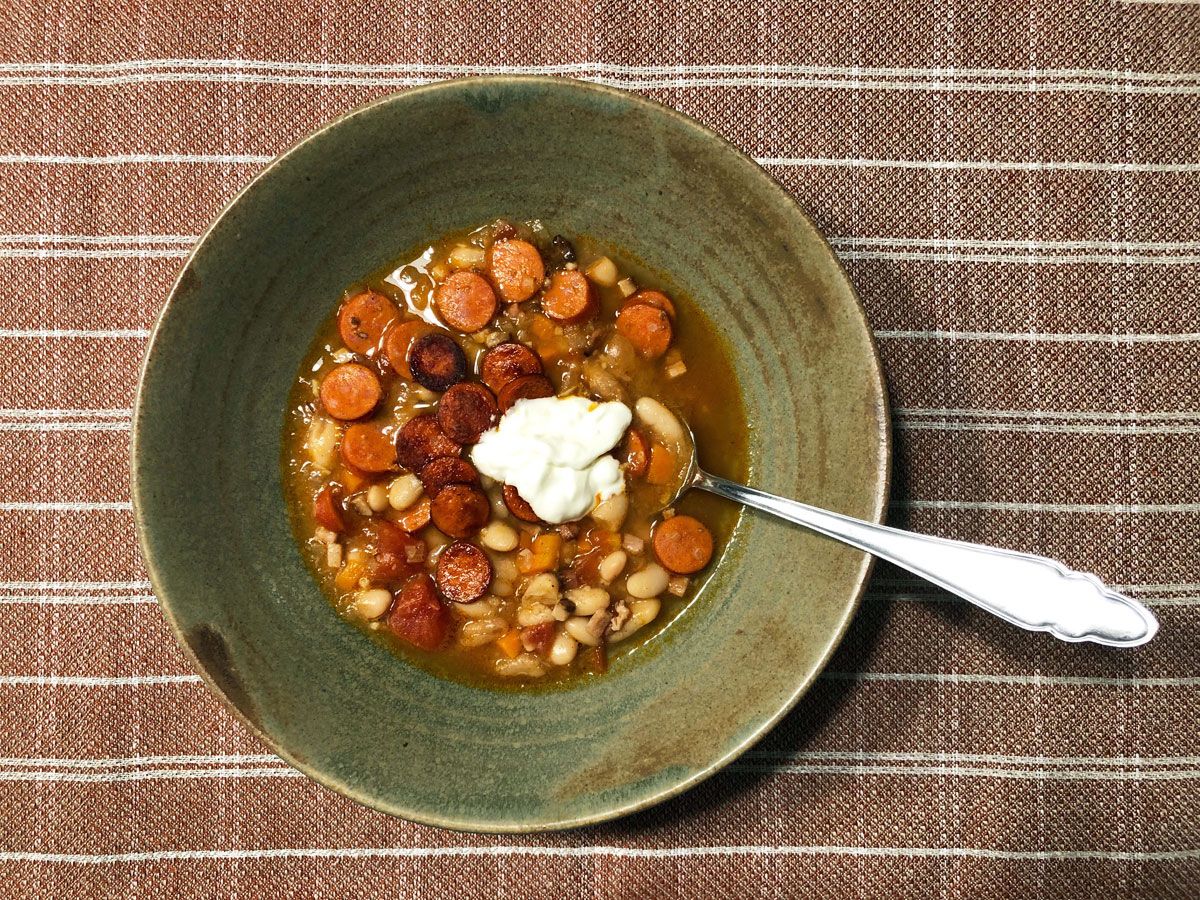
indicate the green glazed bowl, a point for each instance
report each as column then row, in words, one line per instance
column 208, row 438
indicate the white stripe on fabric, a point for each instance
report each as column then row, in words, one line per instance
column 65, row 253
column 974, row 678
column 65, row 506
column 1084, row 414
column 954, row 757
column 944, row 772
column 857, row 771
column 73, row 585
column 126, row 762
column 983, row 165
column 65, row 426
column 96, row 680
column 1016, row 258
column 97, row 239
column 120, row 159
column 589, row 851
column 1040, row 337
column 1133, row 509
column 51, row 333
column 1037, row 427
column 65, row 413
column 77, row 600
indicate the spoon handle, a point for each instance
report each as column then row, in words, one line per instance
column 1033, row 592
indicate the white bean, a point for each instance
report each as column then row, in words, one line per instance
column 525, row 664
column 465, row 256
column 506, row 568
column 641, row 613
column 324, row 535
column 588, row 600
column 648, row 582
column 660, row 420
column 542, row 587
column 499, row 537
column 373, row 603
column 321, row 442
column 404, row 491
column 612, row 565
column 481, row 631
column 611, row 512
column 563, row 650
column 377, row 498
column 502, row 587
column 580, row 629
column 534, row 614
column 480, row 609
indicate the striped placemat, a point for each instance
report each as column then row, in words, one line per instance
column 1015, row 189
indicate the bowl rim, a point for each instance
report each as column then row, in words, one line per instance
column 882, row 486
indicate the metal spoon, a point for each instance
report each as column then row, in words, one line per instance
column 1032, row 592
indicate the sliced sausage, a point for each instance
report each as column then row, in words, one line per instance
column 398, row 341
column 463, row 572
column 527, row 387
column 569, row 298
column 397, row 553
column 653, row 298
column 364, row 318
column 466, row 411
column 415, row 517
column 507, row 361
column 421, row 439
column 418, row 616
column 516, row 268
column 647, row 327
column 447, row 470
column 465, row 301
column 682, row 544
column 460, row 510
column 517, row 506
column 637, row 453
column 368, row 449
column 327, row 510
column 436, row 361
column 350, row 391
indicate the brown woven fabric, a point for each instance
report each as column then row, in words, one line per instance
column 1015, row 188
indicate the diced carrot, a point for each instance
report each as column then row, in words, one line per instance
column 548, row 344
column 349, row 479
column 526, row 540
column 662, row 465
column 349, row 574
column 543, row 557
column 510, row 644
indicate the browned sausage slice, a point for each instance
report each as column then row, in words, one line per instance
column 517, row 506
column 569, row 298
column 398, row 342
column 327, row 510
column 363, row 319
column 647, row 327
column 460, row 510
column 437, row 361
column 421, row 439
column 516, row 268
column 447, row 470
column 465, row 301
column 397, row 553
column 466, row 411
column 350, row 391
column 683, row 544
column 507, row 361
column 418, row 616
column 653, row 298
column 368, row 449
column 527, row 387
column 463, row 572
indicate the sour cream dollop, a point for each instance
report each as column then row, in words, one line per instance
column 552, row 450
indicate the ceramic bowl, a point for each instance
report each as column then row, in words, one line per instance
column 208, row 440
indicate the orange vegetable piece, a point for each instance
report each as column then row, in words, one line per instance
column 543, row 557
column 510, row 644
column 416, row 516
column 662, row 465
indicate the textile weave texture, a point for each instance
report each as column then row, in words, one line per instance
column 1014, row 188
